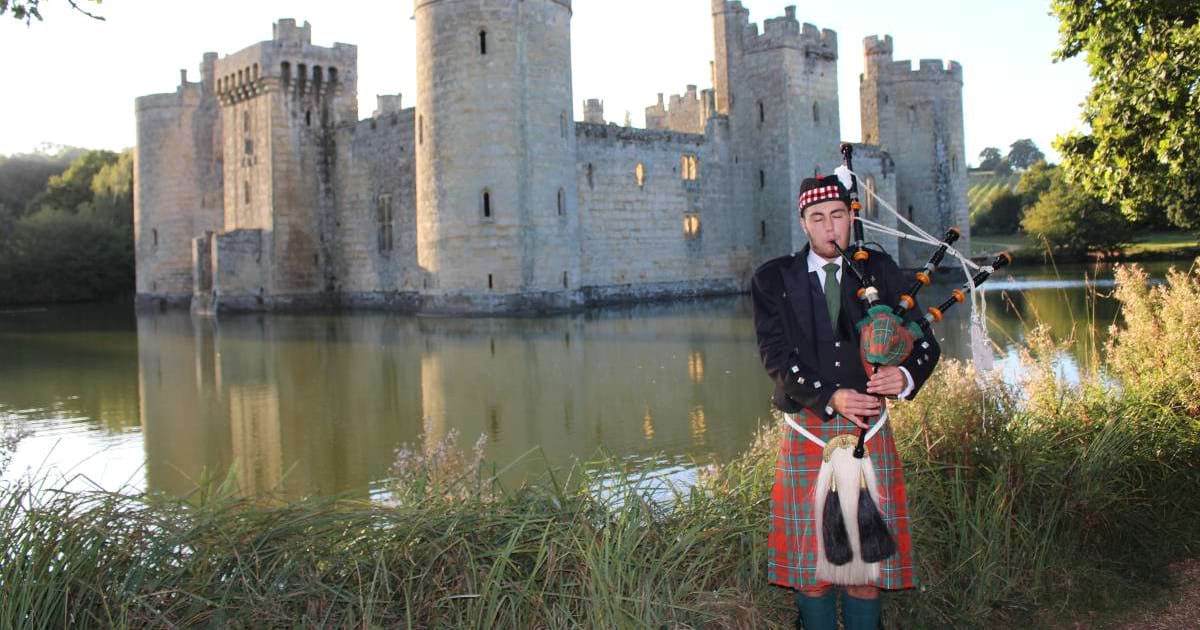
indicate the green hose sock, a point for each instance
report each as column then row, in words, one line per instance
column 861, row 614
column 818, row 613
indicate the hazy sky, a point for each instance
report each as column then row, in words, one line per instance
column 72, row 80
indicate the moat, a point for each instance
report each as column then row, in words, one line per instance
column 318, row 403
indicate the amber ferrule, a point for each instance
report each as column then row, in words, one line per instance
column 936, row 313
column 923, row 278
column 861, row 255
column 959, row 296
column 907, row 302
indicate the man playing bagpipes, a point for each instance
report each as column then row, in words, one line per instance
column 838, row 522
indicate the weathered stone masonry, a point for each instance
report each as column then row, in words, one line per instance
column 258, row 188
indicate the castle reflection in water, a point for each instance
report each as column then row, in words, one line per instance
column 316, row 404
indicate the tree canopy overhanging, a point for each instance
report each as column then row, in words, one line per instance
column 1142, row 149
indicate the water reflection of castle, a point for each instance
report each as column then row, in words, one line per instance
column 314, row 404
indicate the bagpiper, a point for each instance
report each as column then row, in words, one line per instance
column 839, row 513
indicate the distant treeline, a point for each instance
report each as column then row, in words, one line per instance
column 66, row 226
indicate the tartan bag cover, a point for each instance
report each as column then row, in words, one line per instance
column 792, row 536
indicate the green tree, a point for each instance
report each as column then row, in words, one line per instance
column 1024, row 153
column 23, row 176
column 1143, row 148
column 990, row 159
column 76, row 240
column 73, row 188
column 1000, row 215
column 1034, row 181
column 1074, row 222
column 56, row 256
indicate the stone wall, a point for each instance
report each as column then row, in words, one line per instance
column 375, row 254
column 666, row 234
column 241, row 262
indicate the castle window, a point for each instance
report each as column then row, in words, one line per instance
column 301, row 75
column 246, row 192
column 565, row 279
column 420, row 130
column 562, row 202
column 249, row 148
column 691, row 226
column 762, row 112
column 816, row 113
column 689, row 167
column 491, row 284
column 639, row 173
column 308, row 118
column 255, row 77
column 762, row 179
column 239, row 78
column 483, row 42
column 154, row 233
column 591, row 183
column 285, row 70
column 487, row 204
column 762, row 231
column 383, row 220
column 246, row 121
column 318, row 75
column 910, row 212
column 333, row 75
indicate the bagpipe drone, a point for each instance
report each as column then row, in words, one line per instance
column 852, row 535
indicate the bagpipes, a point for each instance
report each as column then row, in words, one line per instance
column 852, row 535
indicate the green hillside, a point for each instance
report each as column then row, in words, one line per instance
column 982, row 184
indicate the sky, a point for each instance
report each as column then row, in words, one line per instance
column 71, row 80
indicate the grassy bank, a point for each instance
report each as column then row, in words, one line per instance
column 1145, row 247
column 1030, row 503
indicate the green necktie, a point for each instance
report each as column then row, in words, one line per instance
column 833, row 293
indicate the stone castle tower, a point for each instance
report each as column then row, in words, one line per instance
column 917, row 117
column 178, row 182
column 779, row 90
column 497, row 221
column 258, row 188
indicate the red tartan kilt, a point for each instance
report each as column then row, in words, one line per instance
column 792, row 542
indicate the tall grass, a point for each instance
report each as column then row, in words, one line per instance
column 1028, row 501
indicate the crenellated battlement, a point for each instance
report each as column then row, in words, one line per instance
column 788, row 32
column 880, row 65
column 287, row 61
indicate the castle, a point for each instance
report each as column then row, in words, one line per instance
column 258, row 187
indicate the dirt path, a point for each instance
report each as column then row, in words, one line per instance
column 1180, row 609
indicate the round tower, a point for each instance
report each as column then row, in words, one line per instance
column 497, row 227
column 177, row 185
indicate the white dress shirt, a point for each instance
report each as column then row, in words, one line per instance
column 817, row 263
